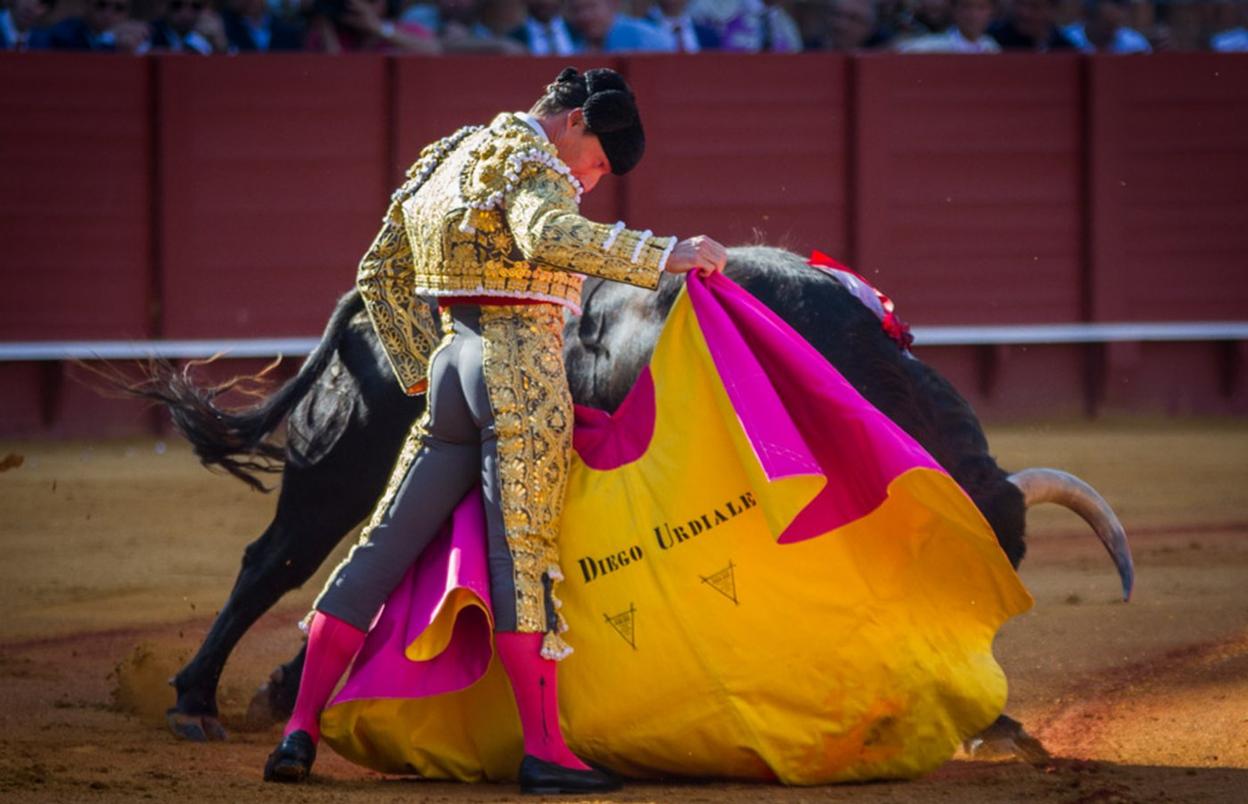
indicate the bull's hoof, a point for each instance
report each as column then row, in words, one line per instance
column 196, row 728
column 1006, row 739
column 260, row 714
column 267, row 705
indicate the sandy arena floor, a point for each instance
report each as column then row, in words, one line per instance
column 117, row 554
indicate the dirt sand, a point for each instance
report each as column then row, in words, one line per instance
column 117, row 555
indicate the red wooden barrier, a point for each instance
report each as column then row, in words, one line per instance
column 1011, row 382
column 1169, row 179
column 968, row 210
column 1007, row 190
column 74, row 183
column 273, row 182
column 74, row 222
column 22, row 409
column 1169, row 222
column 969, row 188
column 743, row 149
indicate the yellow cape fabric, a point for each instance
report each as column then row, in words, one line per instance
column 865, row 653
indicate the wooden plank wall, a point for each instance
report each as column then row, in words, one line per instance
column 202, row 198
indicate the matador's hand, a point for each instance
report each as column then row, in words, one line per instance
column 701, row 252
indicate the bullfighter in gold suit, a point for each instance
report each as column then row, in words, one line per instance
column 487, row 225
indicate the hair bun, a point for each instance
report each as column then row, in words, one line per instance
column 601, row 79
column 610, row 110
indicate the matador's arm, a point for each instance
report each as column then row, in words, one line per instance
column 541, row 210
column 403, row 321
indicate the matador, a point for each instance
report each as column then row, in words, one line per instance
column 487, row 226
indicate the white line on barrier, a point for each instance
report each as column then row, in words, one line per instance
column 1081, row 333
column 141, row 350
column 1027, row 334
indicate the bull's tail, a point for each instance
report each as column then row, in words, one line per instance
column 238, row 440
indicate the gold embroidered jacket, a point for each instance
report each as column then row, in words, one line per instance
column 489, row 211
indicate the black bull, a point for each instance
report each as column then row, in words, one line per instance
column 346, row 420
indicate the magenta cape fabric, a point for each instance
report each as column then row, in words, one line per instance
column 454, row 560
column 792, row 402
column 801, row 416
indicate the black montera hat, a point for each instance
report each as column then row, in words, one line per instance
column 611, row 113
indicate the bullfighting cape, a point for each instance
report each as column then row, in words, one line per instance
column 765, row 579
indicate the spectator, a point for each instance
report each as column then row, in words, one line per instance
column 188, row 26
column 1234, row 39
column 748, row 26
column 598, row 28
column 900, row 20
column 932, row 16
column 968, row 34
column 292, row 11
column 1106, row 30
column 840, row 25
column 1065, row 12
column 17, row 22
column 501, row 17
column 544, row 32
column 1031, row 25
column 365, row 26
column 672, row 17
column 894, row 19
column 892, row 14
column 105, row 27
column 1179, row 26
column 251, row 26
column 458, row 27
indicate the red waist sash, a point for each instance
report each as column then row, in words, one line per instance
column 487, row 301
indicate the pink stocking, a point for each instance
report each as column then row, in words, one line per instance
column 332, row 644
column 537, row 697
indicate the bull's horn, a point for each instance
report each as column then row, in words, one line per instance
column 1055, row 486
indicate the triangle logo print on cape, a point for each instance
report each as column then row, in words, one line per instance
column 724, row 582
column 873, row 583
column 625, row 624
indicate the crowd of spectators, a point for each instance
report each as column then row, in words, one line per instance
column 565, row 27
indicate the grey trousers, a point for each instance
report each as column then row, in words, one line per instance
column 459, row 448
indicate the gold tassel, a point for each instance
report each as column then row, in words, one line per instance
column 554, row 648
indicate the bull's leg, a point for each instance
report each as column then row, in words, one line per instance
column 318, row 506
column 280, row 560
column 1006, row 739
column 275, row 699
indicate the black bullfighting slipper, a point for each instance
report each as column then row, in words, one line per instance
column 292, row 760
column 543, row 778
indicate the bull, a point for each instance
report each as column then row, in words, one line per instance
column 347, row 419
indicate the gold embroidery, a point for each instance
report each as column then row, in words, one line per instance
column 467, row 240
column 522, row 361
column 387, row 284
column 542, row 215
column 494, row 212
column 402, row 319
column 554, row 647
column 488, row 211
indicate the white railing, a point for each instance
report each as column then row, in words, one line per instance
column 1081, row 333
column 1037, row 334
column 141, row 350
